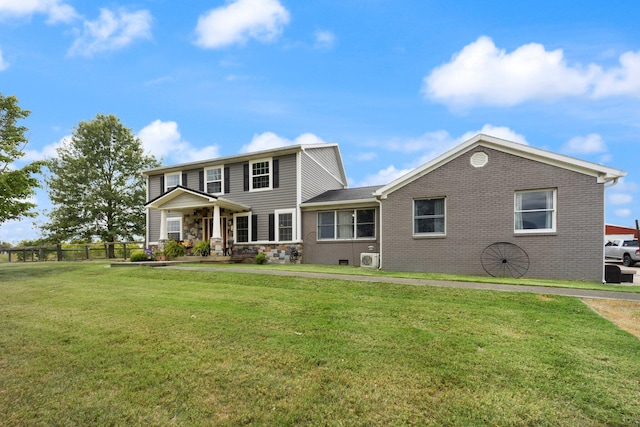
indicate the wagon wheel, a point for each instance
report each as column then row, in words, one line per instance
column 504, row 259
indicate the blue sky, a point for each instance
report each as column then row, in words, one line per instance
column 393, row 82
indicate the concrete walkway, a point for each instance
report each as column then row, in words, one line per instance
column 547, row 290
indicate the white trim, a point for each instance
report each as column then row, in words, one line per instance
column 603, row 174
column 276, row 225
column 339, row 203
column 166, row 183
column 298, row 192
column 554, row 213
column 177, row 219
column 322, row 166
column 221, row 167
column 241, row 158
column 270, row 174
column 235, row 225
column 431, row 233
column 354, row 213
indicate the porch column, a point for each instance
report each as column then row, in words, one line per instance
column 163, row 225
column 216, row 234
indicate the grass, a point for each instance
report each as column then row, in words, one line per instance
column 354, row 270
column 82, row 344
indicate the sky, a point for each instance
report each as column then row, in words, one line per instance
column 394, row 82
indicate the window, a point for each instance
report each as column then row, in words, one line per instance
column 242, row 228
column 535, row 211
column 172, row 180
column 365, row 223
column 213, row 180
column 429, row 217
column 174, row 229
column 285, row 226
column 347, row 224
column 260, row 171
column 326, row 225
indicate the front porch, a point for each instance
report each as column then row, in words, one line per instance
column 190, row 216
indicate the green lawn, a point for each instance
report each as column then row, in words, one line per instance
column 354, row 270
column 83, row 344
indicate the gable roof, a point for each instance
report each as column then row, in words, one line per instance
column 203, row 199
column 237, row 158
column 603, row 174
column 343, row 196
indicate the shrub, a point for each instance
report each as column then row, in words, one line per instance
column 174, row 249
column 202, row 248
column 139, row 256
column 261, row 258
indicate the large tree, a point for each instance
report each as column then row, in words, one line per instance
column 95, row 184
column 17, row 186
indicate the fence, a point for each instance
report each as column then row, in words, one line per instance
column 71, row 252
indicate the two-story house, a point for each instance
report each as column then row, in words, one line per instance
column 488, row 206
column 248, row 201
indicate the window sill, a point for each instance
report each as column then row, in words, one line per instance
column 535, row 233
column 367, row 239
column 429, row 236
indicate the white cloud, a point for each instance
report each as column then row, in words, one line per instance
column 383, row 177
column 589, row 144
column 624, row 80
column 428, row 146
column 239, row 21
column 3, row 64
column 620, row 198
column 164, row 141
column 112, row 31
column 47, row 152
column 56, row 10
column 501, row 132
column 623, row 213
column 366, row 156
column 427, row 141
column 432, row 144
column 269, row 140
column 324, row 39
column 482, row 74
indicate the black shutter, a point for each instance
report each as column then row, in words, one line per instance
column 276, row 173
column 254, row 228
column 272, row 227
column 246, row 177
column 184, row 180
column 227, row 187
column 162, row 184
column 201, row 179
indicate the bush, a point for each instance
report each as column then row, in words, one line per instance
column 202, row 248
column 139, row 256
column 173, row 249
column 261, row 258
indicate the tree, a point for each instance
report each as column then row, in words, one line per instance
column 17, row 186
column 95, row 184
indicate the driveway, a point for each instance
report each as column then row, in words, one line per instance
column 579, row 293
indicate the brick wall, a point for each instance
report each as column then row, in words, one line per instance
column 479, row 211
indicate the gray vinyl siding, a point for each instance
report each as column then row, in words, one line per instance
column 480, row 211
column 155, row 188
column 154, row 224
column 328, row 157
column 332, row 251
column 263, row 203
column 317, row 179
column 193, row 179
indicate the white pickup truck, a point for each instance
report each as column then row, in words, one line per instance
column 623, row 250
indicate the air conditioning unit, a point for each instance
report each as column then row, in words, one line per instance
column 368, row 260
